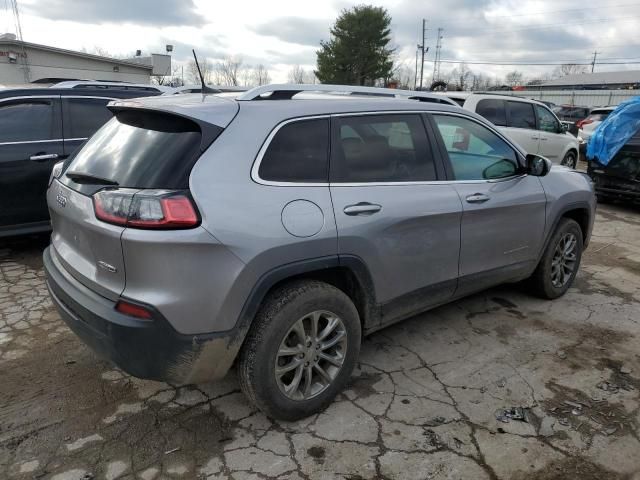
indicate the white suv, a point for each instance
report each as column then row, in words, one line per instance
column 528, row 122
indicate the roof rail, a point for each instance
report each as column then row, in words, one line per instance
column 286, row 91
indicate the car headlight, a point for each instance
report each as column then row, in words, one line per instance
column 56, row 171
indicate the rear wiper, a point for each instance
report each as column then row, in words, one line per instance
column 89, row 179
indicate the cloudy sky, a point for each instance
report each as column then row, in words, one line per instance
column 283, row 33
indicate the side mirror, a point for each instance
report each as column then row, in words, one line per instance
column 537, row 166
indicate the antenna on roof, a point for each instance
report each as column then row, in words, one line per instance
column 205, row 89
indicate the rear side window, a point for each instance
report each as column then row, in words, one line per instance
column 299, row 152
column 83, row 116
column 381, row 148
column 493, row 110
column 28, row 120
column 521, row 115
column 138, row 149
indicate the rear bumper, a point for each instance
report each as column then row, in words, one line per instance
column 149, row 349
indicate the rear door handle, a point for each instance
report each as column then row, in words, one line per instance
column 41, row 157
column 477, row 198
column 535, row 138
column 362, row 208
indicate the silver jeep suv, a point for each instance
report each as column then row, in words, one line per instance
column 193, row 232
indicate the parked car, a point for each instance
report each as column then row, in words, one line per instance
column 39, row 127
column 528, row 122
column 614, row 154
column 571, row 113
column 587, row 126
column 277, row 233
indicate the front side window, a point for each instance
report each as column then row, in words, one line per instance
column 299, row 152
column 493, row 110
column 546, row 120
column 521, row 115
column 475, row 152
column 381, row 148
column 26, row 121
column 83, row 116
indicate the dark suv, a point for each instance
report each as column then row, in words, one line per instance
column 39, row 127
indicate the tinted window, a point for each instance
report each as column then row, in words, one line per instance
column 27, row 120
column 546, row 120
column 83, row 116
column 493, row 110
column 475, row 152
column 521, row 115
column 140, row 150
column 299, row 152
column 381, row 148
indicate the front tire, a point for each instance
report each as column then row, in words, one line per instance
column 301, row 350
column 559, row 264
column 570, row 160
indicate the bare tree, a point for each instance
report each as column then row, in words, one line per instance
column 514, row 78
column 461, row 77
column 296, row 74
column 404, row 76
column 260, row 75
column 229, row 70
column 193, row 76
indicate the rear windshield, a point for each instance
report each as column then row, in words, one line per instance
column 139, row 149
column 598, row 116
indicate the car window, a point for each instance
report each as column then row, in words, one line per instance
column 381, row 148
column 298, row 152
column 83, row 116
column 493, row 110
column 547, row 120
column 26, row 121
column 521, row 115
column 475, row 152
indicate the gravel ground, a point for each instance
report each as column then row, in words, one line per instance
column 422, row 403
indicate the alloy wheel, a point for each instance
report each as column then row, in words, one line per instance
column 564, row 260
column 311, row 355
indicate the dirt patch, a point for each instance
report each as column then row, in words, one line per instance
column 611, row 255
column 363, row 385
column 571, row 468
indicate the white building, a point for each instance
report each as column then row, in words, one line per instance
column 24, row 62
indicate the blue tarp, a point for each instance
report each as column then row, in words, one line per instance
column 614, row 132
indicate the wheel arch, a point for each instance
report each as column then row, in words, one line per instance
column 578, row 211
column 347, row 273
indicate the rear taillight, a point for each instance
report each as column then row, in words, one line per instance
column 56, row 171
column 153, row 209
column 584, row 122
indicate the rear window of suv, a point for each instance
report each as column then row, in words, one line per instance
column 140, row 149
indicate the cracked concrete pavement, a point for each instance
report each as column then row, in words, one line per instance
column 422, row 403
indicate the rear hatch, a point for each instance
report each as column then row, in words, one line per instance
column 140, row 158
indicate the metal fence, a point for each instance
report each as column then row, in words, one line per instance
column 587, row 98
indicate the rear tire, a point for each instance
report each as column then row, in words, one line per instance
column 313, row 375
column 570, row 160
column 560, row 262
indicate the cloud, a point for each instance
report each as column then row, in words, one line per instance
column 140, row 12
column 302, row 31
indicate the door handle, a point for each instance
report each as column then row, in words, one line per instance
column 543, row 139
column 535, row 138
column 362, row 208
column 477, row 198
column 41, row 157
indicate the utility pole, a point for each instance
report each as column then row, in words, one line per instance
column 436, row 62
column 593, row 63
column 415, row 73
column 422, row 50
